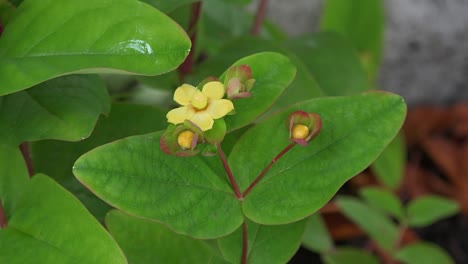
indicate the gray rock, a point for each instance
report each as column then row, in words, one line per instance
column 426, row 45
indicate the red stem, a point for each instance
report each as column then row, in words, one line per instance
column 24, row 147
column 267, row 168
column 186, row 67
column 259, row 17
column 229, row 172
column 3, row 220
column 244, row 243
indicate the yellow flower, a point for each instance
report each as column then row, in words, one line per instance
column 200, row 107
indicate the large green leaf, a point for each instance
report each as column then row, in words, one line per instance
column 362, row 22
column 144, row 241
column 332, row 61
column 349, row 255
column 266, row 244
column 167, row 6
column 124, row 120
column 272, row 72
column 423, row 252
column 46, row 224
column 379, row 228
column 189, row 194
column 65, row 108
column 355, row 130
column 316, row 235
column 47, row 39
column 428, row 209
column 383, row 200
column 390, row 165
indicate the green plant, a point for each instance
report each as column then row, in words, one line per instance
column 246, row 183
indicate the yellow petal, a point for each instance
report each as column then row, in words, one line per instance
column 184, row 93
column 179, row 115
column 203, row 120
column 214, row 90
column 219, row 108
column 199, row 100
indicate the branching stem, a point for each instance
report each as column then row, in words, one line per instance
column 267, row 168
column 244, row 243
column 259, row 17
column 3, row 220
column 229, row 172
column 25, row 151
column 186, row 67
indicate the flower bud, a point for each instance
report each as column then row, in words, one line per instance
column 239, row 82
column 182, row 139
column 303, row 126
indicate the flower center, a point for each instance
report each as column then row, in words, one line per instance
column 300, row 131
column 185, row 139
column 199, row 100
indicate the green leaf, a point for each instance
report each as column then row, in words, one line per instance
column 363, row 23
column 349, row 255
column 383, row 200
column 423, row 252
column 119, row 36
column 390, row 165
column 429, row 209
column 190, row 195
column 65, row 108
column 13, row 176
column 49, row 225
column 379, row 228
column 144, row 241
column 124, row 120
column 332, row 61
column 316, row 235
column 272, row 72
column 355, row 130
column 266, row 244
column 6, row 12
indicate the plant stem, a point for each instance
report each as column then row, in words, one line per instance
column 3, row 220
column 259, row 17
column 244, row 243
column 229, row 172
column 267, row 168
column 24, row 147
column 186, row 67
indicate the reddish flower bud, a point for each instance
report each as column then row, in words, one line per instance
column 239, row 82
column 303, row 126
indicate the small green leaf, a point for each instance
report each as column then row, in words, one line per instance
column 379, row 228
column 423, row 252
column 266, row 244
column 354, row 131
column 124, row 120
column 272, row 72
column 144, row 241
column 316, row 236
column 332, row 61
column 349, row 255
column 191, row 195
column 65, row 108
column 118, row 36
column 383, row 200
column 48, row 225
column 363, row 23
column 430, row 209
column 389, row 166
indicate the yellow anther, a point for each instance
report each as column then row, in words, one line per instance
column 185, row 139
column 199, row 100
column 300, row 131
